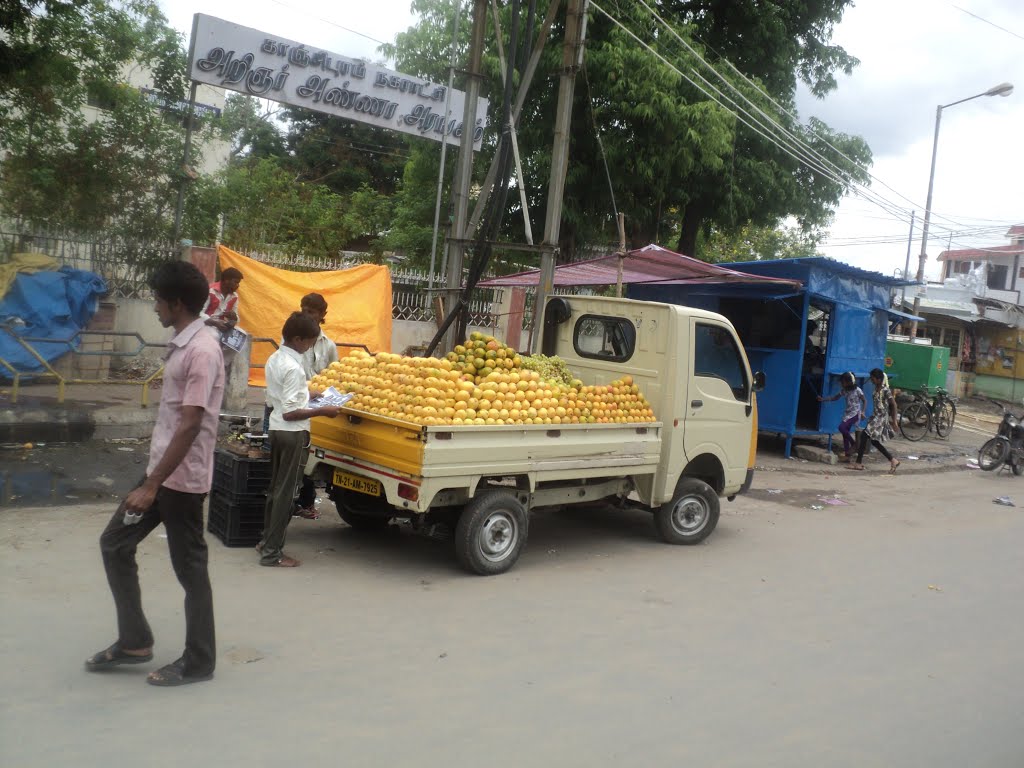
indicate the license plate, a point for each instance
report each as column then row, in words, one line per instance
column 356, row 483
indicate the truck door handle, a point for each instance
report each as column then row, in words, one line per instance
column 696, row 403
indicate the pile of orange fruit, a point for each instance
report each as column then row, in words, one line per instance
column 498, row 391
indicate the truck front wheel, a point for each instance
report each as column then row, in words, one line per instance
column 491, row 532
column 691, row 515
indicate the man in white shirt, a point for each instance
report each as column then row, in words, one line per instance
column 288, row 396
column 316, row 358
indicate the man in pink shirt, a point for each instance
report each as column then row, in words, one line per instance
column 178, row 477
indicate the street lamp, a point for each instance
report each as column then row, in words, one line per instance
column 1003, row 89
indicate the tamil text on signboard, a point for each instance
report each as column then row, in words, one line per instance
column 259, row 64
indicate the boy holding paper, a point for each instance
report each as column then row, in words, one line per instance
column 288, row 396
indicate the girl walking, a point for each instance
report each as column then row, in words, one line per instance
column 881, row 425
column 856, row 404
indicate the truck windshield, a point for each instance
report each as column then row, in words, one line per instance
column 716, row 355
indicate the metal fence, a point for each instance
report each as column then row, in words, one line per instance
column 124, row 264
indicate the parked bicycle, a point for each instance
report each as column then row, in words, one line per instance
column 926, row 412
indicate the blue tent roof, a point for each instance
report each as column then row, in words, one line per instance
column 799, row 268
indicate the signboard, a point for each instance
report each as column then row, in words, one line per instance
column 180, row 106
column 255, row 63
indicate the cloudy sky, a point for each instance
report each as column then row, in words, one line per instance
column 915, row 55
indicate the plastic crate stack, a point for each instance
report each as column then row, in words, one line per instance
column 237, row 498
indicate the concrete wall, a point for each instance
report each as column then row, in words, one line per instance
column 999, row 387
column 137, row 316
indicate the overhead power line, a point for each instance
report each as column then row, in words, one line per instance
column 990, row 23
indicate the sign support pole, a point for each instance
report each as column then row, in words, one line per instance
column 185, row 157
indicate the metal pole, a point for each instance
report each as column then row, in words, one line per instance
column 1003, row 89
column 524, row 84
column 923, row 256
column 571, row 50
column 906, row 264
column 621, row 220
column 521, row 180
column 186, row 156
column 444, row 142
column 464, row 168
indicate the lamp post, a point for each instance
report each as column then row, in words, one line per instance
column 1003, row 89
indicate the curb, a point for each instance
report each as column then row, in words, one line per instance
column 74, row 425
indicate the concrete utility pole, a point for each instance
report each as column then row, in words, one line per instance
column 464, row 169
column 1003, row 89
column 572, row 50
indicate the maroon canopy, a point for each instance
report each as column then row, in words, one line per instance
column 650, row 264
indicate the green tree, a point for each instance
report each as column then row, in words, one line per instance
column 114, row 168
column 681, row 163
column 753, row 243
column 250, row 128
column 343, row 154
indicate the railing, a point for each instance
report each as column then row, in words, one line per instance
column 49, row 371
column 124, row 264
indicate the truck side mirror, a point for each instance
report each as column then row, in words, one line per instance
column 758, row 381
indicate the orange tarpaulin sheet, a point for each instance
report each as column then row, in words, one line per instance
column 358, row 301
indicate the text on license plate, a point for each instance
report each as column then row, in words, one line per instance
column 356, row 483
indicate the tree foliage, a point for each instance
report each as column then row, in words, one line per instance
column 681, row 163
column 753, row 243
column 112, row 168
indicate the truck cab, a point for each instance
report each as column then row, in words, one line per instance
column 690, row 365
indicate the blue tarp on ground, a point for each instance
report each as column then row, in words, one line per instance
column 46, row 305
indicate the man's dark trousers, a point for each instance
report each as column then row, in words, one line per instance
column 287, row 452
column 182, row 516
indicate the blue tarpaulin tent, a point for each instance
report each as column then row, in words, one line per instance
column 48, row 305
column 803, row 339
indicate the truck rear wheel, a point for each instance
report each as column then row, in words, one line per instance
column 491, row 532
column 691, row 515
column 359, row 511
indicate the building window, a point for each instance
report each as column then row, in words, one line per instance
column 997, row 276
column 951, row 339
column 961, row 267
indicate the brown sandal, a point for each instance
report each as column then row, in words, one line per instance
column 282, row 562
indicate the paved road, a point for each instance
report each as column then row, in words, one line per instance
column 887, row 632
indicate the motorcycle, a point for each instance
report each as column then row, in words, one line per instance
column 1007, row 447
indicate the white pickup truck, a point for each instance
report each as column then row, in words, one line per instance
column 482, row 481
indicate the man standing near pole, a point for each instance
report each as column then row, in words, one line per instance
column 178, row 477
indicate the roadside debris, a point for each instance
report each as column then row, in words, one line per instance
column 912, row 458
column 934, row 587
column 773, row 491
column 972, row 464
column 1004, row 501
column 817, row 506
column 834, row 501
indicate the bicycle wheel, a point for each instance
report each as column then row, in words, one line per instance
column 993, row 454
column 915, row 420
column 945, row 415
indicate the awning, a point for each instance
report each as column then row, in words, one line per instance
column 897, row 315
column 651, row 264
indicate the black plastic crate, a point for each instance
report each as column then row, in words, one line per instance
column 234, row 474
column 236, row 519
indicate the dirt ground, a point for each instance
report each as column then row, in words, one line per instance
column 884, row 631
